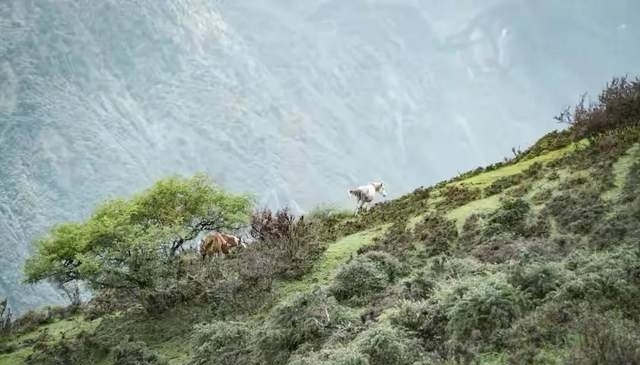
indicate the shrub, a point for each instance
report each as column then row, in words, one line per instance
column 387, row 263
column 551, row 141
column 631, row 188
column 542, row 328
column 510, row 217
column 387, row 345
column 220, row 342
column 606, row 280
column 477, row 308
column 340, row 356
column 424, row 319
column 289, row 241
column 240, row 285
column 542, row 196
column 532, row 355
column 577, row 213
column 307, row 318
column 503, row 183
column 136, row 353
column 534, row 171
column 75, row 350
column 612, row 231
column 538, row 226
column 496, row 249
column 618, row 106
column 398, row 241
column 537, row 279
column 471, row 232
column 418, row 287
column 32, row 319
column 107, row 301
column 359, row 281
column 455, row 268
column 605, row 339
column 437, row 233
column 456, row 196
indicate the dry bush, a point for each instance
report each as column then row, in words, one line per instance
column 618, row 106
column 289, row 242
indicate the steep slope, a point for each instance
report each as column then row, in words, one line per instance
column 291, row 101
column 512, row 263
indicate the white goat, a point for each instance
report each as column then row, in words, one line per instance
column 365, row 193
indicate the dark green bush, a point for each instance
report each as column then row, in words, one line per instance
column 573, row 181
column 136, row 353
column 437, row 233
column 496, row 249
column 419, row 286
column 220, row 342
column 542, row 196
column 545, row 327
column 480, row 307
column 612, row 231
column 537, row 226
column 606, row 280
column 631, row 189
column 425, row 319
column 359, row 281
column 551, row 141
column 455, row 196
column 537, row 279
column 553, row 175
column 510, row 217
column 387, row 263
column 307, row 318
column 503, row 183
column 398, row 241
column 340, row 356
column 534, row 171
column 577, row 212
column 387, row 345
column 532, row 355
column 605, row 339
column 471, row 233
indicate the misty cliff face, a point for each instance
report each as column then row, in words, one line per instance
column 293, row 101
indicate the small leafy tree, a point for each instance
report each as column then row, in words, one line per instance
column 130, row 243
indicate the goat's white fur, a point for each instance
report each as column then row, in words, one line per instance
column 365, row 194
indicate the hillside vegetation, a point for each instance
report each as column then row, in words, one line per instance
column 533, row 260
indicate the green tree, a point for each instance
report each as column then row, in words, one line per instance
column 130, row 243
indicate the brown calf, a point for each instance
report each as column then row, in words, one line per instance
column 215, row 243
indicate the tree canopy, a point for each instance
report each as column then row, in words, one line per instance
column 126, row 243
